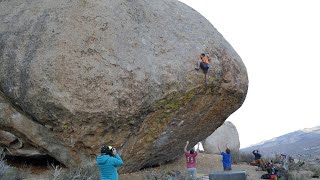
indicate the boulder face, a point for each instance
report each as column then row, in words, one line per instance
column 17, row 147
column 76, row 75
column 226, row 134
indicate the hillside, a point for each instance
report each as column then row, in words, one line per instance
column 303, row 144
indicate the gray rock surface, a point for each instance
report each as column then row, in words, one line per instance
column 227, row 133
column 81, row 74
column 8, row 140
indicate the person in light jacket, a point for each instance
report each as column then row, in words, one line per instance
column 108, row 161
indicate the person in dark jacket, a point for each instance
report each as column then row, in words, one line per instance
column 257, row 160
column 108, row 161
column 256, row 154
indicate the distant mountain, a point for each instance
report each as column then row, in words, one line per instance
column 303, row 144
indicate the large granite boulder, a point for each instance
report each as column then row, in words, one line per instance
column 226, row 134
column 75, row 75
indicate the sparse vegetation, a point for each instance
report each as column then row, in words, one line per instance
column 301, row 171
column 154, row 175
column 315, row 169
column 14, row 174
column 7, row 172
column 299, row 175
column 166, row 175
column 89, row 172
column 172, row 171
column 297, row 170
column 238, row 157
column 3, row 166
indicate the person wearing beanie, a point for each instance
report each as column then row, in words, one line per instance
column 108, row 161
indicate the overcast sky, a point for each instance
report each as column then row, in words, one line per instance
column 278, row 41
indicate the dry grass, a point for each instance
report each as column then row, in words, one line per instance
column 10, row 173
column 206, row 163
column 3, row 166
column 315, row 169
column 306, row 171
column 89, row 172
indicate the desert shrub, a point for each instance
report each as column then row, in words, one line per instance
column 15, row 174
column 316, row 170
column 300, row 170
column 238, row 157
column 154, row 175
column 89, row 172
column 235, row 157
column 166, row 175
column 277, row 159
column 9, row 173
column 3, row 166
column 299, row 175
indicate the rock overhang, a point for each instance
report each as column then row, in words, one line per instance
column 117, row 72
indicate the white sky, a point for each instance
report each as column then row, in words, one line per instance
column 278, row 41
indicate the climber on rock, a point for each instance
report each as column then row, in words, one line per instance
column 203, row 63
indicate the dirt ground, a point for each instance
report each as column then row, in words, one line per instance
column 206, row 163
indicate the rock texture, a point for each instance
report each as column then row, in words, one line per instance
column 226, row 134
column 75, row 75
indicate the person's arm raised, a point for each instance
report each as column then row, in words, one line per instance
column 219, row 149
column 116, row 160
column 185, row 147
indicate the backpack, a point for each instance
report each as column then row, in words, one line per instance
column 266, row 176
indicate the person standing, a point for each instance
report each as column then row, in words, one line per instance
column 226, row 159
column 191, row 161
column 108, row 161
